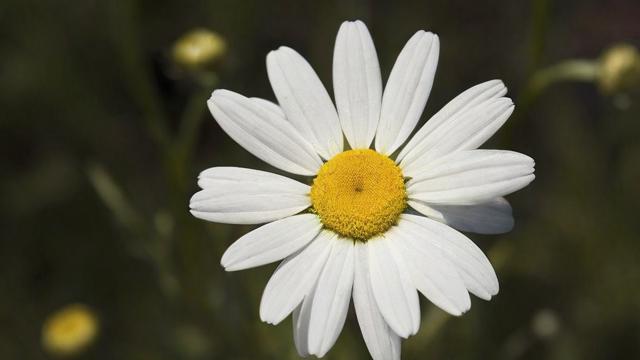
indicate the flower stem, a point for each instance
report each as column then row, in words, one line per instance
column 135, row 73
column 568, row 70
column 193, row 113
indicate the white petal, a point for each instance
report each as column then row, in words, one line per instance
column 305, row 101
column 392, row 287
column 472, row 265
column 382, row 342
column 467, row 115
column 472, row 130
column 271, row 242
column 301, row 320
column 258, row 181
column 331, row 299
column 407, row 91
column 471, row 177
column 357, row 83
column 263, row 133
column 491, row 217
column 269, row 106
column 244, row 196
column 294, row 278
column 432, row 273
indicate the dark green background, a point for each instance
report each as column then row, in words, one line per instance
column 83, row 82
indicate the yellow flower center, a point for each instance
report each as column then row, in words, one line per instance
column 359, row 194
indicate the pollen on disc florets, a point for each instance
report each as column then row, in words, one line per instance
column 359, row 194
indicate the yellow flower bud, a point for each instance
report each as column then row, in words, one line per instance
column 619, row 68
column 199, row 49
column 70, row 330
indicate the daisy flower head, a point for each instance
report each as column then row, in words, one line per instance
column 377, row 221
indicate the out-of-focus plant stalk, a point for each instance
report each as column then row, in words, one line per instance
column 568, row 70
column 617, row 69
column 150, row 245
column 175, row 151
column 113, row 197
column 193, row 114
column 195, row 54
column 136, row 73
column 539, row 27
column 190, row 121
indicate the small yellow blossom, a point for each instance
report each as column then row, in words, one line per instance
column 70, row 330
column 199, row 49
column 619, row 68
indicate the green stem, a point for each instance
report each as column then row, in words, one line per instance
column 190, row 248
column 115, row 200
column 136, row 74
column 568, row 70
column 147, row 244
column 565, row 71
column 193, row 114
column 539, row 26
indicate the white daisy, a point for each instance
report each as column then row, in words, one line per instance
column 371, row 225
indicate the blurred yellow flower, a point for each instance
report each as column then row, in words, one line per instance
column 619, row 68
column 198, row 49
column 69, row 330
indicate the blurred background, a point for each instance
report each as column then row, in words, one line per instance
column 104, row 129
